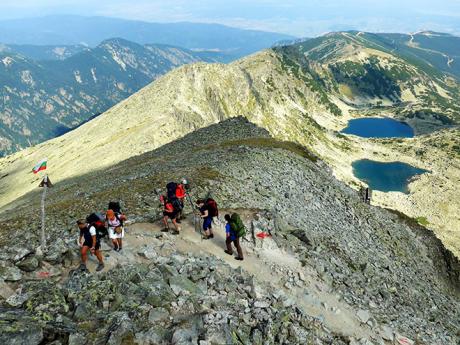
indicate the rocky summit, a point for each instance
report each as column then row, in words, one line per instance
column 321, row 266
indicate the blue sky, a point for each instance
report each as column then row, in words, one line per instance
column 300, row 18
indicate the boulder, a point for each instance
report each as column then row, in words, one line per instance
column 29, row 264
column 363, row 316
column 10, row 273
column 158, row 315
column 182, row 285
column 17, row 328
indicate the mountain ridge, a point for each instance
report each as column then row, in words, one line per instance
column 41, row 98
column 297, row 95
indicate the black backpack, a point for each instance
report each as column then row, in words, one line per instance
column 171, row 191
column 98, row 222
column 115, row 207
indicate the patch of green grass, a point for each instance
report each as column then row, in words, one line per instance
column 274, row 144
column 423, row 221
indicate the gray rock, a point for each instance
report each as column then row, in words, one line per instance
column 363, row 316
column 5, row 290
column 10, row 273
column 387, row 333
column 77, row 339
column 29, row 264
column 184, row 336
column 180, row 285
column 158, row 315
column 261, row 304
column 16, row 328
column 21, row 253
column 17, row 299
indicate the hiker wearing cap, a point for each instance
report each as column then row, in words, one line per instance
column 207, row 218
column 116, row 229
column 232, row 236
column 89, row 241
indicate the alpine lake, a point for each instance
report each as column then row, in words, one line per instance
column 383, row 176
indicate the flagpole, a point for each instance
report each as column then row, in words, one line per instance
column 43, row 237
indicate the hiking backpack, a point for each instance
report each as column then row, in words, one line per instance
column 180, row 191
column 115, row 207
column 237, row 225
column 212, row 207
column 169, row 206
column 171, row 190
column 98, row 221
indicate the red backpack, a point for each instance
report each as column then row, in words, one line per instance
column 180, row 191
column 212, row 208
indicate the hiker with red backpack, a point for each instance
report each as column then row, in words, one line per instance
column 169, row 212
column 89, row 241
column 208, row 210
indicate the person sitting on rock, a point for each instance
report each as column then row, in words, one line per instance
column 207, row 219
column 116, row 229
column 169, row 213
column 89, row 241
column 231, row 236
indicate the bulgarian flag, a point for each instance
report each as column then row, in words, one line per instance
column 40, row 166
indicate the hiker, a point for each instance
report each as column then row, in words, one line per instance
column 234, row 230
column 116, row 228
column 180, row 195
column 174, row 189
column 89, row 241
column 169, row 213
column 207, row 216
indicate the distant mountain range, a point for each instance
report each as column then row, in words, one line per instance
column 74, row 30
column 43, row 99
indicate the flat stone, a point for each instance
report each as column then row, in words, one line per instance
column 10, row 273
column 261, row 304
column 77, row 339
column 158, row 314
column 387, row 333
column 402, row 340
column 363, row 316
column 5, row 290
column 180, row 284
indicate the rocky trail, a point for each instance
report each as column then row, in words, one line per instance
column 268, row 263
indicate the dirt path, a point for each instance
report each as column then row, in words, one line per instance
column 267, row 263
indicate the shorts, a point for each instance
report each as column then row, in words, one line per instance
column 90, row 245
column 207, row 223
column 113, row 235
column 171, row 215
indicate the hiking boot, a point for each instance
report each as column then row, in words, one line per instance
column 175, row 232
column 100, row 267
column 227, row 252
column 83, row 268
column 238, row 258
column 211, row 236
column 165, row 230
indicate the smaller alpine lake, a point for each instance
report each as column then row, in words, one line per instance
column 378, row 128
column 386, row 177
